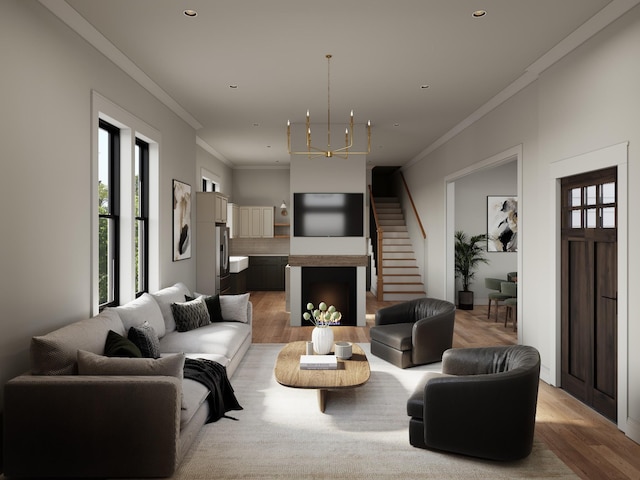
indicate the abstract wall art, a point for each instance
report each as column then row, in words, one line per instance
column 502, row 223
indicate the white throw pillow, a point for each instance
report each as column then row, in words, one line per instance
column 144, row 308
column 165, row 298
column 234, row 307
column 92, row 364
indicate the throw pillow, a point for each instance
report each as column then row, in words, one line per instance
column 190, row 315
column 165, row 298
column 146, row 339
column 234, row 307
column 213, row 306
column 92, row 364
column 142, row 308
column 118, row 346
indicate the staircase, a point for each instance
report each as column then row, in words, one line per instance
column 401, row 279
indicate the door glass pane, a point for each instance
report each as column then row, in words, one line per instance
column 576, row 221
column 608, row 193
column 609, row 217
column 576, row 197
column 591, row 195
column 591, row 218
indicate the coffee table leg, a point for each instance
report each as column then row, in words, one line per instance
column 322, row 399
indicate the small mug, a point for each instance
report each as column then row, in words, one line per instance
column 344, row 350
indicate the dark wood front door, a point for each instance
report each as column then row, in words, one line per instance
column 589, row 289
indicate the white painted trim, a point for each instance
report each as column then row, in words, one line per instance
column 131, row 127
column 591, row 27
column 449, row 215
column 612, row 156
column 77, row 23
column 208, row 148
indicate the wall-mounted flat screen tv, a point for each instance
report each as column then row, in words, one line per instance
column 328, row 214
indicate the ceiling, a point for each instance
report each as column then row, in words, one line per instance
column 241, row 68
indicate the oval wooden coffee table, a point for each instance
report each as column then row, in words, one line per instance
column 350, row 373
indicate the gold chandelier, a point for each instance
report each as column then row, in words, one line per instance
column 342, row 152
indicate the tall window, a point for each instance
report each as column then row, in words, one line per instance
column 141, row 200
column 108, row 213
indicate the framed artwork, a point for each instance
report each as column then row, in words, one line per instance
column 181, row 220
column 502, row 223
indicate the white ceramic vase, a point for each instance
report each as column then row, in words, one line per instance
column 322, row 338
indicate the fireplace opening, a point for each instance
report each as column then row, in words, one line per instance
column 334, row 286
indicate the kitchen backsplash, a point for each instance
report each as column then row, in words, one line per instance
column 258, row 246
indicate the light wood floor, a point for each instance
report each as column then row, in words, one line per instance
column 587, row 442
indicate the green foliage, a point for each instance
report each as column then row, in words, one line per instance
column 468, row 255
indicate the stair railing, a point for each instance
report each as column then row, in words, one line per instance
column 413, row 205
column 378, row 233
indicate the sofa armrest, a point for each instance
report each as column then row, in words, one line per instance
column 88, row 426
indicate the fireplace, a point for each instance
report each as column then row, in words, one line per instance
column 333, row 285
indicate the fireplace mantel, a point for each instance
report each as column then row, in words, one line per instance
column 328, row 260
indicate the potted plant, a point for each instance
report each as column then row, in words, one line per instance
column 468, row 254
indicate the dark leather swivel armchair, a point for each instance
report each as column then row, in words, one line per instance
column 413, row 333
column 483, row 406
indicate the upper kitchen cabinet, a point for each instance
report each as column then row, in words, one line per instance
column 256, row 222
column 212, row 207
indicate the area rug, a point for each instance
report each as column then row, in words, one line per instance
column 363, row 433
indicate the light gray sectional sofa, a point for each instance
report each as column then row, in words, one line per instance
column 81, row 414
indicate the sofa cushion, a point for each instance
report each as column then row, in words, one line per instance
column 144, row 308
column 56, row 352
column 223, row 338
column 193, row 394
column 165, row 298
column 92, row 364
column 118, row 346
column 146, row 339
column 234, row 307
column 190, row 315
column 213, row 306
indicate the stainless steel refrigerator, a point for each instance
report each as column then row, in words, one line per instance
column 212, row 266
column 222, row 265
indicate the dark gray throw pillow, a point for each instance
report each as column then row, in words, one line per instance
column 118, row 346
column 213, row 306
column 190, row 315
column 146, row 339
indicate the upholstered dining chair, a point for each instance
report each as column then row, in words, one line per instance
column 455, row 411
column 511, row 303
column 415, row 332
column 495, row 296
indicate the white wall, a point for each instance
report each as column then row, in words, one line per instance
column 48, row 74
column 586, row 101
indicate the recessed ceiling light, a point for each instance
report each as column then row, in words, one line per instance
column 424, row 87
column 233, row 86
column 190, row 13
column 479, row 13
column 396, row 124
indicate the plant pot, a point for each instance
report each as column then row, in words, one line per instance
column 322, row 338
column 465, row 300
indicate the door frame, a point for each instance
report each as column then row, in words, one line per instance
column 612, row 156
column 509, row 155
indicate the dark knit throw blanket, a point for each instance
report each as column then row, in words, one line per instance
column 213, row 376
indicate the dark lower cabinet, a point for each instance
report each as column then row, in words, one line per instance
column 239, row 282
column 266, row 273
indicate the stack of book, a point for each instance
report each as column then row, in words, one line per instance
column 318, row 362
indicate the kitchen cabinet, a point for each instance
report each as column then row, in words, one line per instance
column 233, row 219
column 266, row 273
column 256, row 222
column 211, row 207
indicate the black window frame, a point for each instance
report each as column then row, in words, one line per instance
column 143, row 218
column 114, row 210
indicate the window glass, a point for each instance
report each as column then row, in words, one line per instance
column 576, row 197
